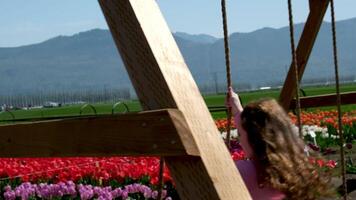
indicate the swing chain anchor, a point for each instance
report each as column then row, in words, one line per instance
column 87, row 105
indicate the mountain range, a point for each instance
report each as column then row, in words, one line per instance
column 89, row 60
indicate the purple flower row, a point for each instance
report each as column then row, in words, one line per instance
column 50, row 191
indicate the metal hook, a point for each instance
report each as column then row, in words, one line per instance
column 86, row 105
column 12, row 114
column 117, row 104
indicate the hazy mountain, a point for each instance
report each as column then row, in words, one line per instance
column 200, row 38
column 89, row 60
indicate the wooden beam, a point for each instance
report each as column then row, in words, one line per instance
column 162, row 80
column 325, row 100
column 101, row 136
column 305, row 46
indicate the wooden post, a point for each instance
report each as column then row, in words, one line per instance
column 305, row 46
column 162, row 80
column 324, row 100
column 109, row 135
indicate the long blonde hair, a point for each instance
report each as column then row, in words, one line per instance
column 279, row 152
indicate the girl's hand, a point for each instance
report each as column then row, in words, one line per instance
column 233, row 102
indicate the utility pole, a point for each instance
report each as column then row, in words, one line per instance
column 215, row 77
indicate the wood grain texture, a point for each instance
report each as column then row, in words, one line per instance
column 130, row 135
column 305, row 46
column 162, row 80
column 325, row 100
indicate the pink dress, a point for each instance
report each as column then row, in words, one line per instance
column 247, row 170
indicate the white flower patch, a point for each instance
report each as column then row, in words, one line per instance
column 233, row 134
column 334, row 136
column 312, row 130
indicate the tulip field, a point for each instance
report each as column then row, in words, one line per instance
column 138, row 177
column 127, row 177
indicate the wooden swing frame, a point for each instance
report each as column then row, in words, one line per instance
column 176, row 124
column 303, row 51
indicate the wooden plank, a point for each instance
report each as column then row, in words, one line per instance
column 305, row 46
column 325, row 100
column 100, row 136
column 162, row 80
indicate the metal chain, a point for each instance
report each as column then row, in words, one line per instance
column 160, row 178
column 228, row 69
column 338, row 98
column 295, row 66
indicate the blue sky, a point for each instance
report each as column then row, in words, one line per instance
column 27, row 22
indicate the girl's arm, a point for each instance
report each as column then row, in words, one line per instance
column 234, row 103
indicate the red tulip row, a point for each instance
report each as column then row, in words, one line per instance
column 319, row 118
column 119, row 168
column 101, row 169
column 222, row 124
column 322, row 118
column 65, row 169
column 74, row 169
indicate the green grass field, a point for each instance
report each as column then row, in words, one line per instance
column 212, row 100
column 255, row 95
